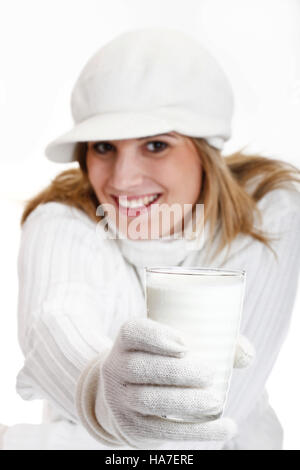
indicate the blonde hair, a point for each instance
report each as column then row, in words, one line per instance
column 231, row 188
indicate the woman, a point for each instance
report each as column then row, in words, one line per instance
column 152, row 110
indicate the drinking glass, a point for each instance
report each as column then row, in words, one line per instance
column 205, row 306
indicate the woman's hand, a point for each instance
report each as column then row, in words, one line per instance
column 244, row 354
column 146, row 376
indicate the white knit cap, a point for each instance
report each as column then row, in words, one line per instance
column 147, row 82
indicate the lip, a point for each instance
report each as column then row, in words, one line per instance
column 133, row 212
column 136, row 196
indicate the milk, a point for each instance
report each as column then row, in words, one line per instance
column 205, row 306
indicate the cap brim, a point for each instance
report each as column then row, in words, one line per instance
column 126, row 125
column 111, row 126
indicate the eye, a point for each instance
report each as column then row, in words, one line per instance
column 158, row 146
column 102, row 147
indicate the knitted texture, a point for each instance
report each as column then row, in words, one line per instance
column 3, row 429
column 148, row 375
column 245, row 353
column 76, row 291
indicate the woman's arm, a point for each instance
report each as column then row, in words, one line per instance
column 269, row 300
column 64, row 304
column 55, row 334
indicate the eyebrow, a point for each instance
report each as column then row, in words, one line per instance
column 147, row 137
column 157, row 135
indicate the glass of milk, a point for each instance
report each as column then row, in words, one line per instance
column 205, row 306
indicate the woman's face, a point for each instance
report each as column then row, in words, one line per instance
column 138, row 176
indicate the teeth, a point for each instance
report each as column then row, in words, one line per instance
column 133, row 203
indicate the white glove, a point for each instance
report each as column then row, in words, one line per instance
column 244, row 353
column 145, row 375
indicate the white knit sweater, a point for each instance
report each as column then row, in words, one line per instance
column 76, row 289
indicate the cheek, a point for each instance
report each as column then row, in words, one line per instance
column 195, row 178
column 185, row 178
column 97, row 173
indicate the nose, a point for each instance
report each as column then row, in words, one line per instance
column 126, row 171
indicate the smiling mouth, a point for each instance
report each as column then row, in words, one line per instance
column 132, row 204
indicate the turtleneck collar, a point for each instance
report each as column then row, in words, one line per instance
column 165, row 251
column 159, row 252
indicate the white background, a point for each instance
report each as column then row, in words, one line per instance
column 44, row 45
